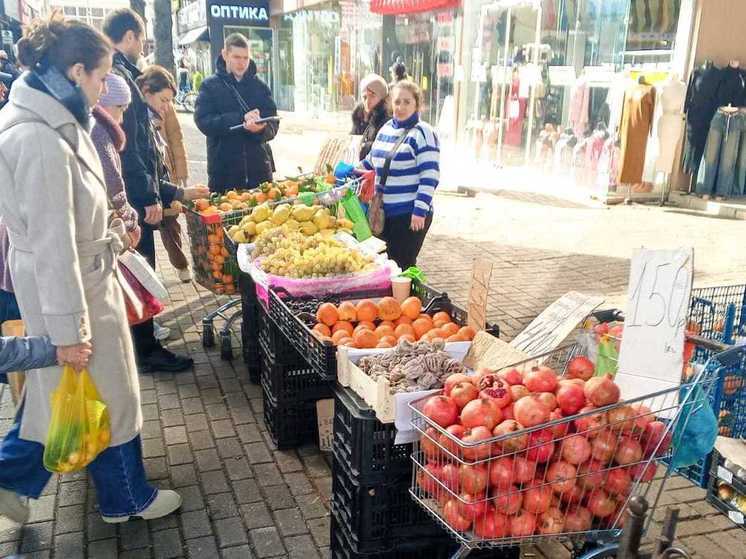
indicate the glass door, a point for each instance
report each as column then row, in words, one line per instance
column 260, row 48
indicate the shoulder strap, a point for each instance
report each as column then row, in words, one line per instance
column 390, row 156
column 237, row 95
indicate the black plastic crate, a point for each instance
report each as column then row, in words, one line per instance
column 290, row 426
column 375, row 514
column 322, row 355
column 274, row 343
column 718, row 473
column 287, row 384
column 365, row 444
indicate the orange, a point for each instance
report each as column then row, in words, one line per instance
column 339, row 335
column 411, row 307
column 344, row 326
column 402, row 320
column 367, row 310
column 389, row 309
column 384, row 330
column 365, row 325
column 467, row 332
column 404, row 330
column 422, row 326
column 408, row 337
column 365, row 338
column 260, row 197
column 347, row 342
column 450, row 328
column 442, row 315
column 347, row 311
column 327, row 314
column 388, row 340
column 322, row 329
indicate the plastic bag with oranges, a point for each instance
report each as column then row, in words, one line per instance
column 80, row 428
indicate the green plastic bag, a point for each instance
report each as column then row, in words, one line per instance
column 608, row 357
column 80, row 427
column 354, row 212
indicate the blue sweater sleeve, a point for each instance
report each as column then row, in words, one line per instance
column 427, row 154
column 23, row 354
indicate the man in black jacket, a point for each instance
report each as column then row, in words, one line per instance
column 145, row 191
column 234, row 95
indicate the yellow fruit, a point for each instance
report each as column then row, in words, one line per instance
column 308, row 228
column 249, row 229
column 281, row 214
column 260, row 213
column 240, row 237
column 292, row 225
column 303, row 213
column 233, row 230
column 321, row 219
column 343, row 223
column 263, row 226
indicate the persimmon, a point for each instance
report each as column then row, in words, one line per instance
column 442, row 315
column 450, row 328
column 422, row 326
column 411, row 307
column 343, row 325
column 322, row 329
column 467, row 332
column 385, row 344
column 408, row 337
column 389, row 340
column 405, row 330
column 339, row 335
column 367, row 310
column 346, row 342
column 365, row 325
column 387, row 323
column 389, row 309
column 365, row 339
column 402, row 320
column 347, row 311
column 327, row 313
column 384, row 330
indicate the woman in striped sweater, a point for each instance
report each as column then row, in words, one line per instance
column 409, row 186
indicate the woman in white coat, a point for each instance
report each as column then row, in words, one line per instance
column 63, row 262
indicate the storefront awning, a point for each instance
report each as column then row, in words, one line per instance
column 198, row 34
column 401, row 7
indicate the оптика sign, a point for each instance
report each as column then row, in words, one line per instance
column 227, row 12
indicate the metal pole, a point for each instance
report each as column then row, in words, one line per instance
column 502, row 89
column 532, row 95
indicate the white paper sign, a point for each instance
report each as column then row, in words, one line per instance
column 551, row 327
column 652, row 353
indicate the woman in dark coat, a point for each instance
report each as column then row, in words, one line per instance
column 372, row 112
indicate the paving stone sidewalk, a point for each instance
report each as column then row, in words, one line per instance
column 204, row 436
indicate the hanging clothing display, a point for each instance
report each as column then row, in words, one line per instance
column 732, row 88
column 723, row 168
column 670, row 124
column 637, row 120
column 700, row 106
column 615, row 101
column 516, row 113
column 579, row 104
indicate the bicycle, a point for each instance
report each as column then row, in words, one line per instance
column 186, row 100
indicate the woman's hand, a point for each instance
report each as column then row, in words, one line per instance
column 196, row 192
column 77, row 356
column 417, row 224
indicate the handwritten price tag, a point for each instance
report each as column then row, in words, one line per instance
column 652, row 351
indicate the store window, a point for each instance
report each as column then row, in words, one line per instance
column 260, row 47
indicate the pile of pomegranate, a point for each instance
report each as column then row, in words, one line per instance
column 496, row 466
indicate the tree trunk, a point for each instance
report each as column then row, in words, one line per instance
column 163, row 30
column 139, row 7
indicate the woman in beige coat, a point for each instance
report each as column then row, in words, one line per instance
column 63, row 263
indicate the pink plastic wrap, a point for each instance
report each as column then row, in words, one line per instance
column 380, row 278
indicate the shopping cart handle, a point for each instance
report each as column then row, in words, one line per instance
column 609, row 315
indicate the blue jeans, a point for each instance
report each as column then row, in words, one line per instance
column 118, row 473
column 8, row 311
column 722, row 169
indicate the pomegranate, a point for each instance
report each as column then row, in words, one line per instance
column 560, row 430
column 454, row 518
column 600, row 504
column 530, row 412
column 552, row 521
column 574, row 496
column 482, row 412
column 441, row 410
column 515, row 442
column 618, row 482
column 509, row 501
column 604, row 446
column 450, row 475
column 540, row 445
column 492, row 386
column 518, row 391
column 540, row 379
column 428, row 445
column 580, row 367
column 576, row 449
column 601, row 391
column 643, row 472
column 628, row 452
column 523, row 470
column 473, row 436
column 522, row 525
column 621, row 419
column 578, row 519
column 562, row 476
column 473, row 478
column 427, row 478
column 655, row 437
column 592, row 424
column 643, row 416
column 570, row 398
column 453, row 380
column 492, row 526
column 457, row 431
column 574, row 381
column 471, row 506
column 508, row 412
column 511, row 376
column 601, row 330
column 548, row 399
column 591, row 474
column 463, row 393
column 537, row 499
column 501, row 473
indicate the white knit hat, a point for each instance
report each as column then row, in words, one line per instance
column 117, row 92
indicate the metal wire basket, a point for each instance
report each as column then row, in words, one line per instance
column 567, row 479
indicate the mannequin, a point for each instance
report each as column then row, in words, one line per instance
column 700, row 106
column 670, row 122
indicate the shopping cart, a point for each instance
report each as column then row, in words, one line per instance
column 500, row 491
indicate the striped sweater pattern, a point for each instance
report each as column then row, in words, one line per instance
column 415, row 168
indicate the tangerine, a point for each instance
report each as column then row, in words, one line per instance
column 339, row 335
column 442, row 315
column 322, row 329
column 367, row 310
column 405, row 330
column 422, row 326
column 347, row 311
column 384, row 330
column 344, row 326
column 327, row 313
column 365, row 339
column 389, row 309
column 411, row 307
column 450, row 328
column 467, row 332
column 402, row 320
column 365, row 325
